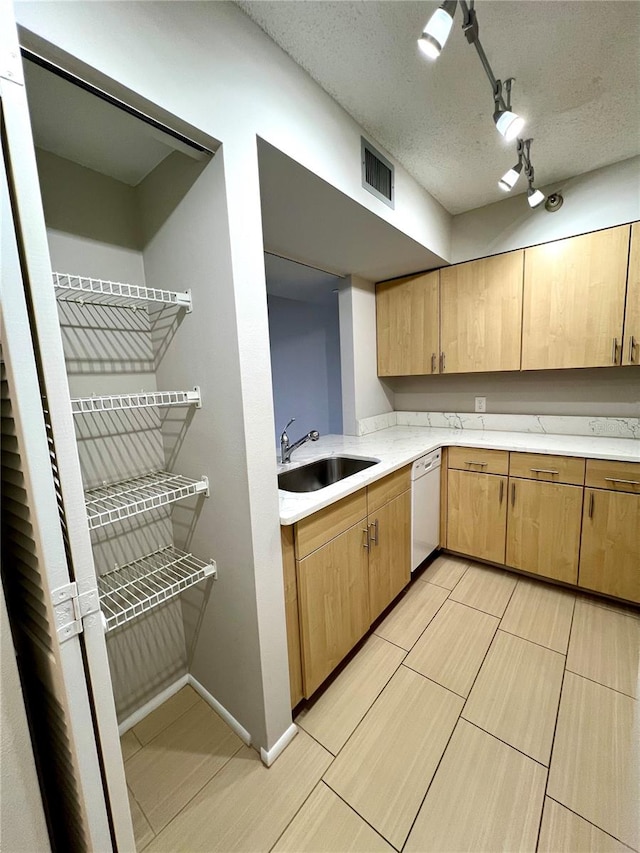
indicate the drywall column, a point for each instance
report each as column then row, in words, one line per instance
column 235, row 628
column 363, row 394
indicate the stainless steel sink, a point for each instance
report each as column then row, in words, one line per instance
column 323, row 472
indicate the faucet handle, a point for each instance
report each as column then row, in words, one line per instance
column 287, row 426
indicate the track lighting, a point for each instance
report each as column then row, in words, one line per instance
column 508, row 181
column 508, row 123
column 534, row 196
column 435, row 34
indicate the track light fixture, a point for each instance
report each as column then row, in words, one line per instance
column 508, row 123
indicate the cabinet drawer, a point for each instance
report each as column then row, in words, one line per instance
column 480, row 460
column 380, row 493
column 552, row 469
column 322, row 526
column 616, row 476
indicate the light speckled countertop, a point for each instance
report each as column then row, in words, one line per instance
column 399, row 445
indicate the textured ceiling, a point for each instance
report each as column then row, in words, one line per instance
column 576, row 64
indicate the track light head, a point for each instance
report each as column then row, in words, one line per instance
column 508, row 181
column 435, row 34
column 534, row 196
column 508, row 124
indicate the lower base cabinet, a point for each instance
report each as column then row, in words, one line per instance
column 477, row 514
column 610, row 548
column 543, row 529
column 389, row 553
column 333, row 599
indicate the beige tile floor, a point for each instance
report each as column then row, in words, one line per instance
column 486, row 712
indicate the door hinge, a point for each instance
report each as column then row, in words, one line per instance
column 70, row 609
column 11, row 66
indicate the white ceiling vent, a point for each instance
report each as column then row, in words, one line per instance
column 377, row 173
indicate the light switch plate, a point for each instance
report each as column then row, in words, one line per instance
column 481, row 404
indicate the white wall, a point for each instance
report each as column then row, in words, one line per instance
column 599, row 199
column 305, row 365
column 363, row 394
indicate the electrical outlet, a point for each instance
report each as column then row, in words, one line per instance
column 481, row 404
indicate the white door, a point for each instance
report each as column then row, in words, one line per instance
column 47, row 562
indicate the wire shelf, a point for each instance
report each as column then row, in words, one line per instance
column 143, row 400
column 116, row 501
column 134, row 589
column 76, row 288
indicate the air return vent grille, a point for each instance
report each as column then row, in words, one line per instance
column 377, row 173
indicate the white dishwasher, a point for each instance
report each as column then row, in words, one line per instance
column 425, row 507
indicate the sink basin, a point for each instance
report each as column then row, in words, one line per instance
column 323, row 472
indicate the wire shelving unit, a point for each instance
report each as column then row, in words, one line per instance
column 143, row 400
column 81, row 289
column 131, row 590
column 116, row 501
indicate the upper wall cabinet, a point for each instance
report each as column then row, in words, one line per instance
column 574, row 298
column 481, row 314
column 631, row 339
column 407, row 325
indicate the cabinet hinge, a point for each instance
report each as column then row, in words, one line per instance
column 70, row 609
column 11, row 66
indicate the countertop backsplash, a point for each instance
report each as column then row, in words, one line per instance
column 546, row 424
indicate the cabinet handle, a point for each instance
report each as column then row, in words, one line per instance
column 471, row 462
column 627, row 482
column 501, row 490
column 444, row 361
column 513, row 494
column 374, row 537
column 433, row 361
column 367, row 542
column 591, row 505
column 544, row 470
column 632, row 347
column 614, row 352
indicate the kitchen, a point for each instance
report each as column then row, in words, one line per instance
column 316, row 134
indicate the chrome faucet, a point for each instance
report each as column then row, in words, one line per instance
column 286, row 449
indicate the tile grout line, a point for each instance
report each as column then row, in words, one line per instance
column 191, row 799
column 357, row 813
column 555, row 730
column 298, row 810
column 594, row 825
column 600, row 684
column 540, row 645
column 510, row 745
column 444, row 751
column 168, row 725
column 326, row 748
column 407, row 651
column 433, row 681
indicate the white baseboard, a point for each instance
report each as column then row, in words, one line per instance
column 268, row 757
column 152, row 704
column 231, row 721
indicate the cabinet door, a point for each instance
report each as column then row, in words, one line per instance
column 610, row 550
column 631, row 340
column 543, row 528
column 477, row 514
column 407, row 321
column 389, row 553
column 574, row 293
column 291, row 613
column 481, row 314
column 333, row 599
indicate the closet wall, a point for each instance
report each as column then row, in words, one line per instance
column 94, row 230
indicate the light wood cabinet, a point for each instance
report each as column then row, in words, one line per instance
column 291, row 613
column 610, row 548
column 407, row 323
column 389, row 552
column 552, row 469
column 574, row 298
column 479, row 459
column 477, row 514
column 481, row 314
column 543, row 528
column 333, row 597
column 631, row 339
